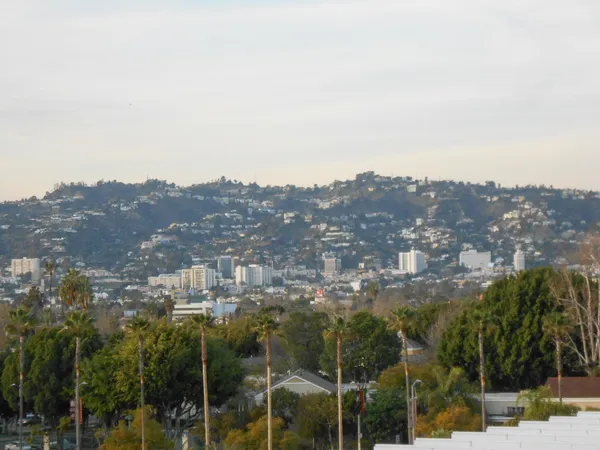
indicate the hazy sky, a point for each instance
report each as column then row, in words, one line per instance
column 298, row 92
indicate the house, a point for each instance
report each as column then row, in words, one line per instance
column 301, row 382
column 579, row 391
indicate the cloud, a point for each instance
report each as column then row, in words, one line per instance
column 187, row 90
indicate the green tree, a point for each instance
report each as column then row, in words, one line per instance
column 265, row 327
column 539, row 404
column 78, row 323
column 253, row 438
column 203, row 322
column 302, row 338
column 337, row 329
column 240, row 336
column 402, row 320
column 316, row 417
column 558, row 326
column 49, row 270
column 386, row 415
column 521, row 353
column 285, row 405
column 20, row 323
column 137, row 328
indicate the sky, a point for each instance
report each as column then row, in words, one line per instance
column 298, row 92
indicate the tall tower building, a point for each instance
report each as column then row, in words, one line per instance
column 412, row 262
column 331, row 265
column 225, row 266
column 26, row 265
column 519, row 260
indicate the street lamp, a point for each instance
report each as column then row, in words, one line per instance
column 413, row 391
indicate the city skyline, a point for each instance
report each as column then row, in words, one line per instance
column 280, row 92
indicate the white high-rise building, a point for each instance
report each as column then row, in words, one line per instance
column 225, row 266
column 254, row 275
column 26, row 265
column 200, row 278
column 412, row 262
column 475, row 260
column 519, row 260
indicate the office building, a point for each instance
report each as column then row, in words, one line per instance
column 199, row 278
column 519, row 260
column 254, row 275
column 412, row 262
column 167, row 280
column 225, row 266
column 331, row 265
column 475, row 260
column 26, row 265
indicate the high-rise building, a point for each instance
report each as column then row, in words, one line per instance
column 26, row 265
column 225, row 266
column 200, row 278
column 254, row 275
column 475, row 260
column 519, row 260
column 331, row 265
column 412, row 262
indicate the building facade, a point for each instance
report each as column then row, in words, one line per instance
column 331, row 265
column 199, row 278
column 225, row 266
column 412, row 262
column 475, row 260
column 254, row 275
column 26, row 265
column 519, row 260
column 168, row 280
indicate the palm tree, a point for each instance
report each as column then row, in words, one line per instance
column 203, row 322
column 86, row 295
column 49, row 269
column 78, row 323
column 402, row 320
column 137, row 328
column 481, row 321
column 169, row 308
column 265, row 325
column 68, row 290
column 21, row 321
column 557, row 326
column 337, row 329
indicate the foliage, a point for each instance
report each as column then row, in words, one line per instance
column 519, row 352
column 6, row 412
column 368, row 349
column 386, row 415
column 540, row 405
column 240, row 336
column 285, row 404
column 317, row 417
column 49, row 364
column 254, row 437
column 302, row 339
column 453, row 418
column 130, row 438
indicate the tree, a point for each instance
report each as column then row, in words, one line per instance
column 240, row 336
column 285, row 404
column 558, row 327
column 34, row 301
column 316, row 417
column 480, row 320
column 265, row 326
column 337, row 329
column 68, row 290
column 137, row 328
column 443, row 423
column 130, row 438
column 78, row 323
column 386, row 415
column 302, row 339
column 402, row 320
column 20, row 323
column 539, row 404
column 169, row 308
column 203, row 322
column 253, row 438
column 522, row 355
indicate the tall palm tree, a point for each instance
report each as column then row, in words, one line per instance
column 21, row 321
column 69, row 289
column 86, row 294
column 169, row 308
column 402, row 320
column 265, row 325
column 204, row 321
column 337, row 329
column 49, row 269
column 557, row 326
column 481, row 321
column 137, row 328
column 78, row 323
